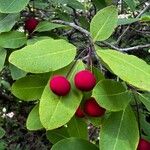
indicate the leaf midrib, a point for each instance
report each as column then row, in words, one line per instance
column 103, row 25
column 119, row 129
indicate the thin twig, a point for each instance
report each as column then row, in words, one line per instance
column 124, row 32
column 126, row 49
column 72, row 25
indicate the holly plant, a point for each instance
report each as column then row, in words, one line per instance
column 64, row 57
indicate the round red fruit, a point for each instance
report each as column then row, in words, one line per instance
column 60, row 85
column 144, row 145
column 92, row 108
column 30, row 24
column 79, row 112
column 85, row 80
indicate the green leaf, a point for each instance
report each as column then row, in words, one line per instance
column 77, row 128
column 2, row 58
column 47, row 26
column 57, row 134
column 99, row 4
column 7, row 21
column 120, row 131
column 12, row 39
column 44, row 56
column 145, row 99
column 145, row 126
column 129, row 68
column 131, row 4
column 57, row 111
column 33, row 120
column 125, row 21
column 145, row 18
column 74, row 144
column 31, row 87
column 2, row 132
column 111, row 95
column 104, row 23
column 16, row 73
column 36, row 39
column 12, row 6
column 99, row 76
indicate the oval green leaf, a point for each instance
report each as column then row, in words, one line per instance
column 120, row 131
column 104, row 23
column 129, row 68
column 44, row 56
column 12, row 39
column 12, row 6
column 30, row 88
column 74, row 144
column 33, row 120
column 111, row 95
column 57, row 111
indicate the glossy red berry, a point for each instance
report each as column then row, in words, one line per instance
column 144, row 145
column 60, row 85
column 79, row 112
column 92, row 108
column 85, row 80
column 30, row 24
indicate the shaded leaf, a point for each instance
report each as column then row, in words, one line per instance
column 33, row 120
column 12, row 6
column 74, row 144
column 2, row 58
column 12, row 39
column 120, row 130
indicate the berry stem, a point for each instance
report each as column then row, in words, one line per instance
column 70, row 70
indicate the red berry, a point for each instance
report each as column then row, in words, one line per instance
column 60, row 85
column 30, row 24
column 92, row 108
column 143, row 145
column 85, row 80
column 79, row 113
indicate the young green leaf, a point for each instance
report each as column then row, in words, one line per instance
column 12, row 39
column 57, row 111
column 30, row 88
column 33, row 120
column 74, row 144
column 44, row 56
column 104, row 23
column 129, row 68
column 111, row 95
column 12, row 6
column 120, row 131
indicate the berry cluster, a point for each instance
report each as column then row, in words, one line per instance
column 84, row 81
